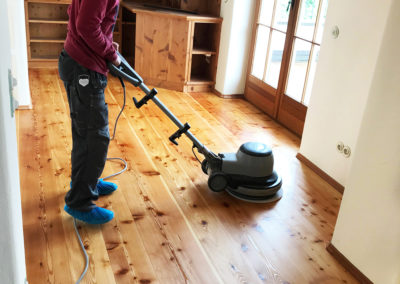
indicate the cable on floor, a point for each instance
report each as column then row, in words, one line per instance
column 84, row 252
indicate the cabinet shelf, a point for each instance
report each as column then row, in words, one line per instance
column 203, row 51
column 197, row 80
column 199, row 84
column 47, row 21
column 48, row 40
column 50, row 1
column 44, row 58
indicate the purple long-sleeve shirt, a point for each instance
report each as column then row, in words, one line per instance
column 90, row 32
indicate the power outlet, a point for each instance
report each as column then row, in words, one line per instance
column 343, row 149
column 340, row 147
column 346, row 151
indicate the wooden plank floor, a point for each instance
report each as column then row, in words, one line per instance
column 168, row 226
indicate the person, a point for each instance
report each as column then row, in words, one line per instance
column 83, row 69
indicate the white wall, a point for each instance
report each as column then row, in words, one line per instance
column 342, row 82
column 19, row 55
column 235, row 44
column 12, row 258
column 368, row 228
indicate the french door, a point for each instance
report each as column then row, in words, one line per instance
column 286, row 43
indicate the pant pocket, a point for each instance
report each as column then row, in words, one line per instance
column 98, row 110
column 80, row 113
column 99, row 81
column 66, row 67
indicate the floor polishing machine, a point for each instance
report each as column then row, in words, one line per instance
column 247, row 174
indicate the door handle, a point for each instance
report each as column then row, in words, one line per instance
column 12, row 82
column 290, row 5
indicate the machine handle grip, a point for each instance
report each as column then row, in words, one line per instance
column 125, row 71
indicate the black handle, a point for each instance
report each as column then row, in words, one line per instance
column 145, row 99
column 125, row 71
column 179, row 133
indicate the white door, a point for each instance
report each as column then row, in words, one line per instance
column 12, row 257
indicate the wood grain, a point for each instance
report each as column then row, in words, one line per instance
column 161, row 43
column 168, row 226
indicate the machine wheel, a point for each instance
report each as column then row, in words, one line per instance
column 217, row 181
column 204, row 166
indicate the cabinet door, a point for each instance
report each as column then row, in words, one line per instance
column 161, row 51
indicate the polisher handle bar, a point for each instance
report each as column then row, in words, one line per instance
column 125, row 71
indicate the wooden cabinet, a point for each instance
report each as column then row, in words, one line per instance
column 46, row 30
column 171, row 49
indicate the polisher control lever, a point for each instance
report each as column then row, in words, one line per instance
column 179, row 133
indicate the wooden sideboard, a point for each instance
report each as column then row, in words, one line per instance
column 173, row 50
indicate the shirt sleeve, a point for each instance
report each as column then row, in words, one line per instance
column 91, row 15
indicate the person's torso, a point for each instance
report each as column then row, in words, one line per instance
column 77, row 47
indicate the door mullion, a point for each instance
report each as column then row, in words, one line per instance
column 266, row 58
column 320, row 2
column 307, row 73
column 313, row 43
column 269, row 41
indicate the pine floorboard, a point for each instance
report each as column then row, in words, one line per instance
column 168, row 226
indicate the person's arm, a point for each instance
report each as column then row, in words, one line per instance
column 91, row 15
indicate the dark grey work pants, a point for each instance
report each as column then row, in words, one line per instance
column 90, row 133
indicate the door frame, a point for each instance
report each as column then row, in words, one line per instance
column 274, row 102
column 12, row 258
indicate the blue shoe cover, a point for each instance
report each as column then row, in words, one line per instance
column 97, row 215
column 105, row 187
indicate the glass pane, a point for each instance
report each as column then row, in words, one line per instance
column 281, row 15
column 321, row 23
column 275, row 58
column 311, row 75
column 260, row 52
column 307, row 19
column 298, row 69
column 267, row 7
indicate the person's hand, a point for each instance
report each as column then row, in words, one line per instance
column 117, row 61
column 115, row 45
